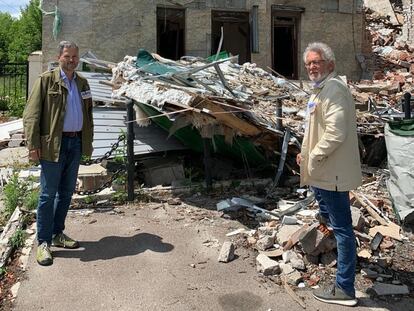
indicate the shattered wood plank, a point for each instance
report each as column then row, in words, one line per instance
column 391, row 230
column 294, row 238
column 370, row 210
column 183, row 106
column 274, row 253
column 229, row 119
column 292, row 294
column 375, row 208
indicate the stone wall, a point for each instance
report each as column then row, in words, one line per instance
column 113, row 29
column 408, row 26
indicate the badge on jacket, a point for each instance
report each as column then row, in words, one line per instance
column 311, row 106
column 86, row 94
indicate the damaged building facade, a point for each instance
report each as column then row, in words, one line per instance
column 270, row 33
column 408, row 28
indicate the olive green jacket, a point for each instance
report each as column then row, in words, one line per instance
column 44, row 115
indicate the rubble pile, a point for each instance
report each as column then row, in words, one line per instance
column 217, row 98
column 224, row 98
column 232, row 100
column 300, row 248
column 388, row 70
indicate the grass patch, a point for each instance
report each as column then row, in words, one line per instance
column 18, row 238
column 18, row 193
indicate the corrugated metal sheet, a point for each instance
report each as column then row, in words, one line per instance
column 109, row 123
column 100, row 92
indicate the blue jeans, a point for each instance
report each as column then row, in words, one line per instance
column 57, row 184
column 335, row 207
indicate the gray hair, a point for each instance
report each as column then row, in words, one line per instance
column 66, row 45
column 321, row 48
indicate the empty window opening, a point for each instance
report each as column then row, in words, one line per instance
column 285, row 42
column 236, row 33
column 170, row 32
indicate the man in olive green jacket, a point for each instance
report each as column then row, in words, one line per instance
column 330, row 165
column 58, row 125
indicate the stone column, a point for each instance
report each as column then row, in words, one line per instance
column 35, row 67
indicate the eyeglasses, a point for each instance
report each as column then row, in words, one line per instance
column 317, row 63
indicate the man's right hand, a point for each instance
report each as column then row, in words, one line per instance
column 298, row 159
column 34, row 155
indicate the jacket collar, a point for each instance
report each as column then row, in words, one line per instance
column 318, row 86
column 57, row 78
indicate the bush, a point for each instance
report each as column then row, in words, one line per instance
column 31, row 200
column 16, row 106
column 18, row 238
column 19, row 193
column 12, row 195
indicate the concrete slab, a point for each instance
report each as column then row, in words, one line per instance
column 10, row 127
column 91, row 170
column 13, row 156
column 383, row 7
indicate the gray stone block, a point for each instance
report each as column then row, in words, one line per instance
column 294, row 278
column 382, row 289
column 328, row 259
column 266, row 265
column 226, row 252
column 285, row 232
column 358, row 220
column 264, row 243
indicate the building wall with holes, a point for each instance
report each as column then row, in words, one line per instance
column 113, row 29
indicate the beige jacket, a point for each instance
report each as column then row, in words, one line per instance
column 330, row 154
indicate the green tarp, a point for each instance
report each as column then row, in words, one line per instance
column 402, row 128
column 222, row 55
column 149, row 64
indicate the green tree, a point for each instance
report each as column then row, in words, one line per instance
column 27, row 33
column 6, row 22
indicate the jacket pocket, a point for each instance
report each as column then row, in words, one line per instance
column 315, row 165
column 44, row 145
column 54, row 96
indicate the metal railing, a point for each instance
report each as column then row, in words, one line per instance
column 14, row 83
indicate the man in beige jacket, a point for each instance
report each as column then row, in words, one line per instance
column 330, row 164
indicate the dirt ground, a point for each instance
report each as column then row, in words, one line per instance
column 161, row 256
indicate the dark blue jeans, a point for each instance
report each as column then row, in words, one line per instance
column 335, row 207
column 57, row 184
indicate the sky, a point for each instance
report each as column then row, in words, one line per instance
column 12, row 6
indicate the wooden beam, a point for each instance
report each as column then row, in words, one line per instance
column 370, row 210
column 227, row 118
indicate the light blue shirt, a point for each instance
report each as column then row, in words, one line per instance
column 73, row 116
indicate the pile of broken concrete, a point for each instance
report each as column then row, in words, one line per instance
column 301, row 251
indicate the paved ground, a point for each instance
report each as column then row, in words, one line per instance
column 156, row 257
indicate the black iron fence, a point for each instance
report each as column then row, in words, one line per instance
column 14, row 82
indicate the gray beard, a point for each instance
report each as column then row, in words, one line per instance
column 322, row 77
